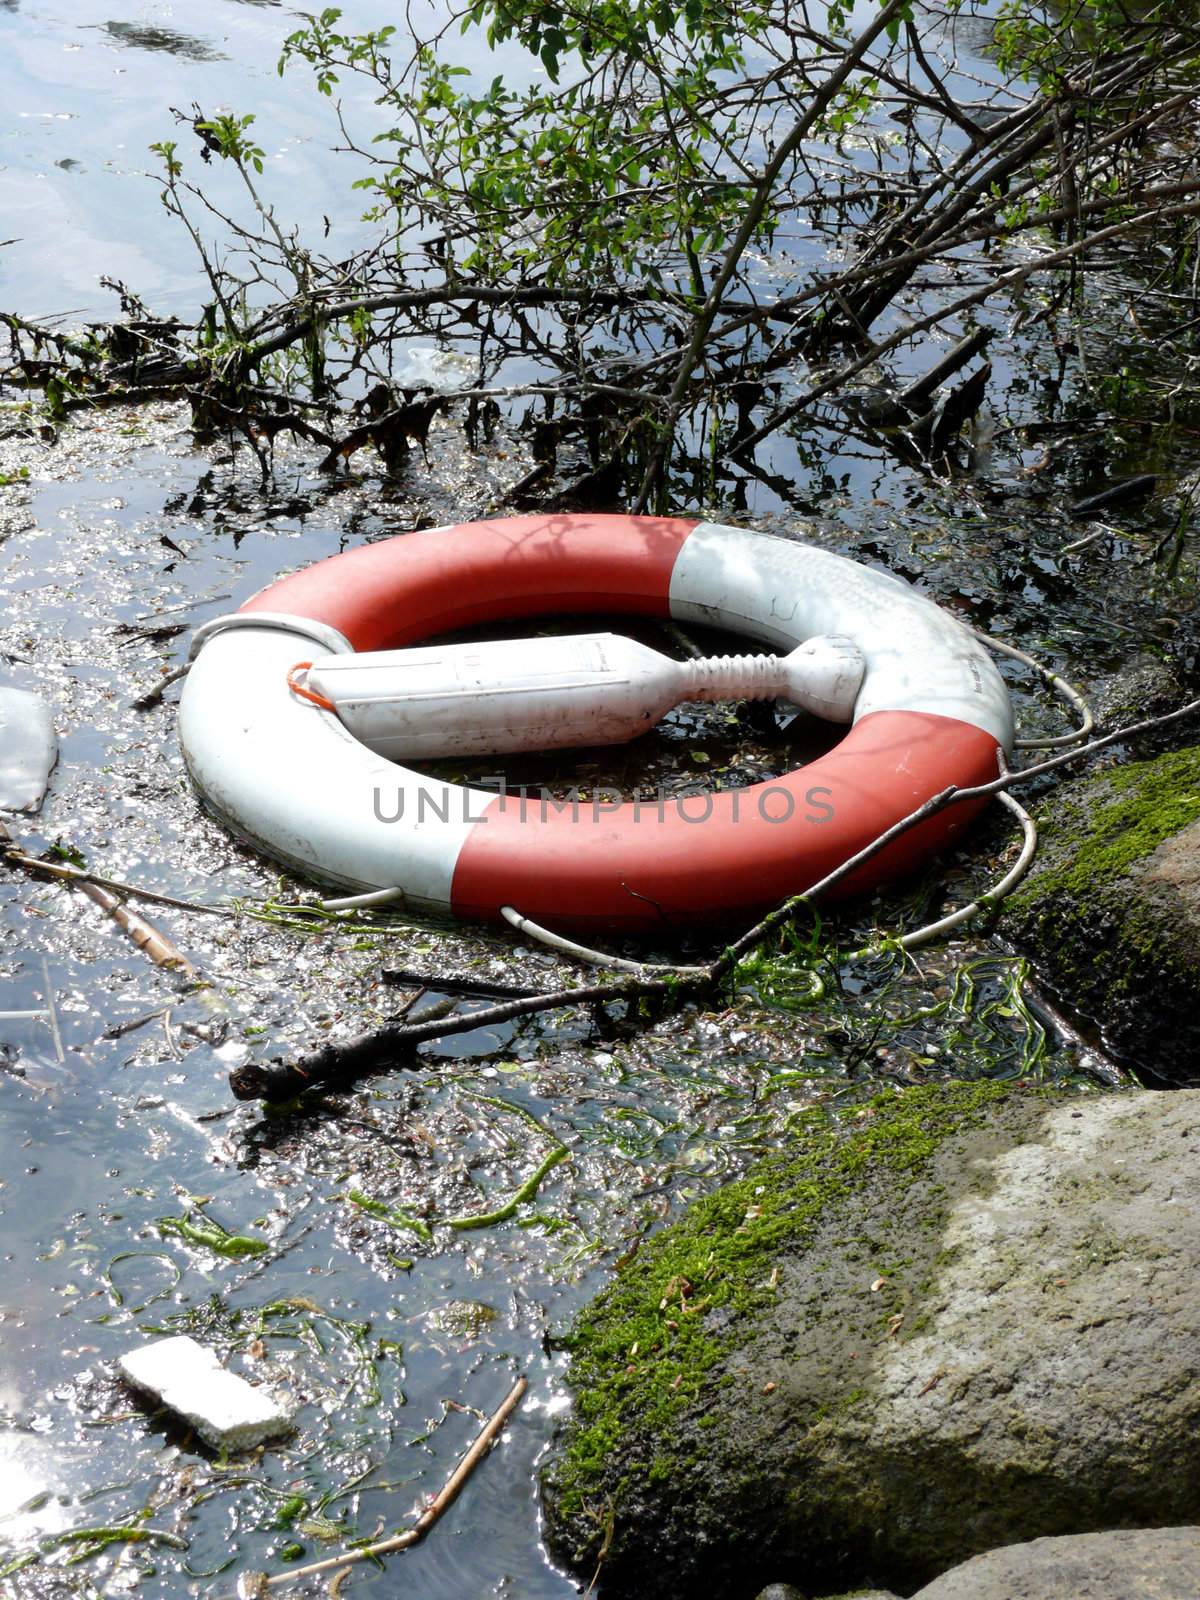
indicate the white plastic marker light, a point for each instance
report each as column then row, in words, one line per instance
column 546, row 694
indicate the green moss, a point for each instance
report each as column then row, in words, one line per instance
column 1119, row 942
column 643, row 1350
column 1150, row 801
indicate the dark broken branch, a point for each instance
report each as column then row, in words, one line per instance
column 338, row 1061
column 957, row 356
column 1013, row 278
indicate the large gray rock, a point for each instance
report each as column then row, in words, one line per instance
column 1111, row 909
column 966, row 1322
column 1131, row 1564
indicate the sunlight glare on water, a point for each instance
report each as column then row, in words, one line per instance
column 87, row 87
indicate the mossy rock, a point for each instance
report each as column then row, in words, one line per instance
column 1111, row 909
column 920, row 1336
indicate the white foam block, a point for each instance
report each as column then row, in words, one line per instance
column 225, row 1410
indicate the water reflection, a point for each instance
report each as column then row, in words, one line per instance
column 140, row 37
column 30, row 1478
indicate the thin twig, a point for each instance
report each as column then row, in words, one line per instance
column 441, row 1503
column 151, row 941
column 951, row 795
column 77, row 875
column 1010, row 279
column 755, row 211
column 153, row 695
column 52, row 1012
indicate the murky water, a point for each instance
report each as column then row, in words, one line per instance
column 392, row 1328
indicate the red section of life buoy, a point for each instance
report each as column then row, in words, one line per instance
column 383, row 596
column 728, row 854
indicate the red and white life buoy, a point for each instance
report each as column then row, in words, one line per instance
column 932, row 711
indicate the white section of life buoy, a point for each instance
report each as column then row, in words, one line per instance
column 291, row 780
column 919, row 658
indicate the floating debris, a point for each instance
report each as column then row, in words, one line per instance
column 225, row 1410
column 462, row 1319
column 28, row 749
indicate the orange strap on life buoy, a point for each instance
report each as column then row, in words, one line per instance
column 304, row 692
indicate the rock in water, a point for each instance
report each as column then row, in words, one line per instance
column 860, row 1594
column 1110, row 910
column 28, row 749
column 964, row 1319
column 1151, row 1563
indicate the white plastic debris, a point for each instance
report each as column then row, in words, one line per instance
column 225, row 1410
column 28, row 749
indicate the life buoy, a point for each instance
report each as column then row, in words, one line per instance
column 290, row 778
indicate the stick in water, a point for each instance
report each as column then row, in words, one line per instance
column 444, row 1499
column 151, row 941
